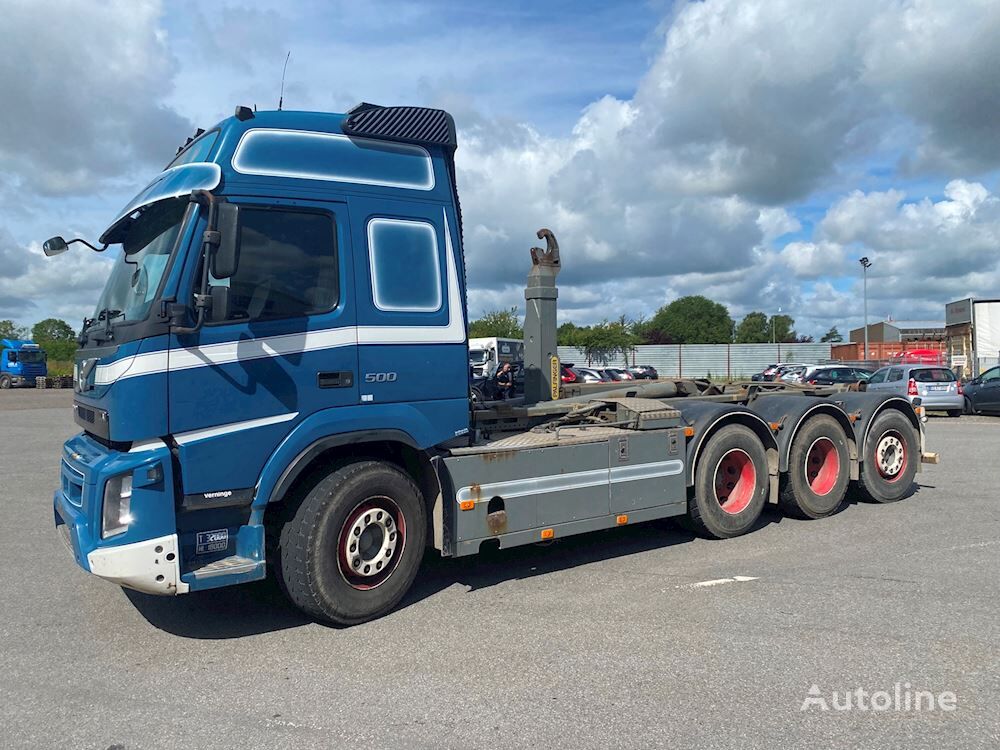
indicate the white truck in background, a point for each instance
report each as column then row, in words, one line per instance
column 487, row 352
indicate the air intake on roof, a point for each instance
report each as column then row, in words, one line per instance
column 420, row 125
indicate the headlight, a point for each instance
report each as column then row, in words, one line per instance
column 116, row 515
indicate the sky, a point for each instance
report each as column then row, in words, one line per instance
column 748, row 150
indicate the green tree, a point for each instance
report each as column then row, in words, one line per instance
column 570, row 334
column 52, row 329
column 602, row 342
column 782, row 329
column 691, row 320
column 499, row 323
column 11, row 330
column 832, row 336
column 753, row 329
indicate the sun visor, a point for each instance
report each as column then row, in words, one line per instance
column 171, row 183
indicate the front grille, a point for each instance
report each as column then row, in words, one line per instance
column 72, row 484
column 87, row 415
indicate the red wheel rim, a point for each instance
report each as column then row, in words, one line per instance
column 822, row 466
column 371, row 542
column 735, row 481
column 890, row 456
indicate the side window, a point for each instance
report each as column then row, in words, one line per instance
column 993, row 374
column 878, row 377
column 287, row 265
column 405, row 265
column 896, row 373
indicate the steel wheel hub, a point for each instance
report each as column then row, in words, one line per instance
column 370, row 542
column 890, row 455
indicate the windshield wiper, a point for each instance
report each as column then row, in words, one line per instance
column 104, row 316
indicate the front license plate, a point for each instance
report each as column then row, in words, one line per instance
column 211, row 541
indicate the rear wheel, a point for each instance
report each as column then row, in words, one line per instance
column 955, row 412
column 818, row 470
column 350, row 548
column 730, row 486
column 891, row 454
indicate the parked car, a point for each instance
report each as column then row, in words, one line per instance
column 936, row 386
column 773, row 371
column 644, row 372
column 616, row 373
column 589, row 375
column 794, row 374
column 834, row 374
column 567, row 373
column 983, row 393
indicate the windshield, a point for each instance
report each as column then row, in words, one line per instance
column 477, row 356
column 32, row 357
column 135, row 277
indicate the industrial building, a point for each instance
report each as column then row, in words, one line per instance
column 973, row 335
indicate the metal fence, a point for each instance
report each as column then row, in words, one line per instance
column 728, row 361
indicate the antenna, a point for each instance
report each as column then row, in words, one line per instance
column 281, row 95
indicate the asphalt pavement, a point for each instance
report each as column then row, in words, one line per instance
column 634, row 637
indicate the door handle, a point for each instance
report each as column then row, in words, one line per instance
column 342, row 379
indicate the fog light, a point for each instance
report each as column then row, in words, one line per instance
column 116, row 515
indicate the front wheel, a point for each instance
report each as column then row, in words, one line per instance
column 730, row 485
column 350, row 548
column 5, row 382
column 891, row 454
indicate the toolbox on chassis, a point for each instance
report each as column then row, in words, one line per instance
column 253, row 388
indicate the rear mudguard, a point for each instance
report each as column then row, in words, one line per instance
column 790, row 411
column 862, row 408
column 706, row 418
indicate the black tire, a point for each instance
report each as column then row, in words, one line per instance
column 476, row 395
column 317, row 527
column 889, row 477
column 955, row 412
column 969, row 408
column 819, row 470
column 746, row 464
column 6, row 382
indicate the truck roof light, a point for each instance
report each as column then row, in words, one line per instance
column 244, row 113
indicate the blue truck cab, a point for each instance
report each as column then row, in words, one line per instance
column 340, row 324
column 276, row 374
column 20, row 363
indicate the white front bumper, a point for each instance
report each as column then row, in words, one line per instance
column 142, row 566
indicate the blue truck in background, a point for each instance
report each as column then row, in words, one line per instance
column 20, row 363
column 276, row 376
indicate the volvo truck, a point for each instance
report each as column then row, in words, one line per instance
column 275, row 377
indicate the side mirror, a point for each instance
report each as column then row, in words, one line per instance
column 220, row 303
column 54, row 246
column 226, row 257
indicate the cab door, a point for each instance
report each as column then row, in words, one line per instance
column 285, row 349
column 412, row 345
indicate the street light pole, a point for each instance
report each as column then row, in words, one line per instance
column 865, row 265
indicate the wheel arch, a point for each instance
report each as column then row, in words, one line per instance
column 894, row 403
column 797, row 411
column 708, row 418
column 392, row 446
